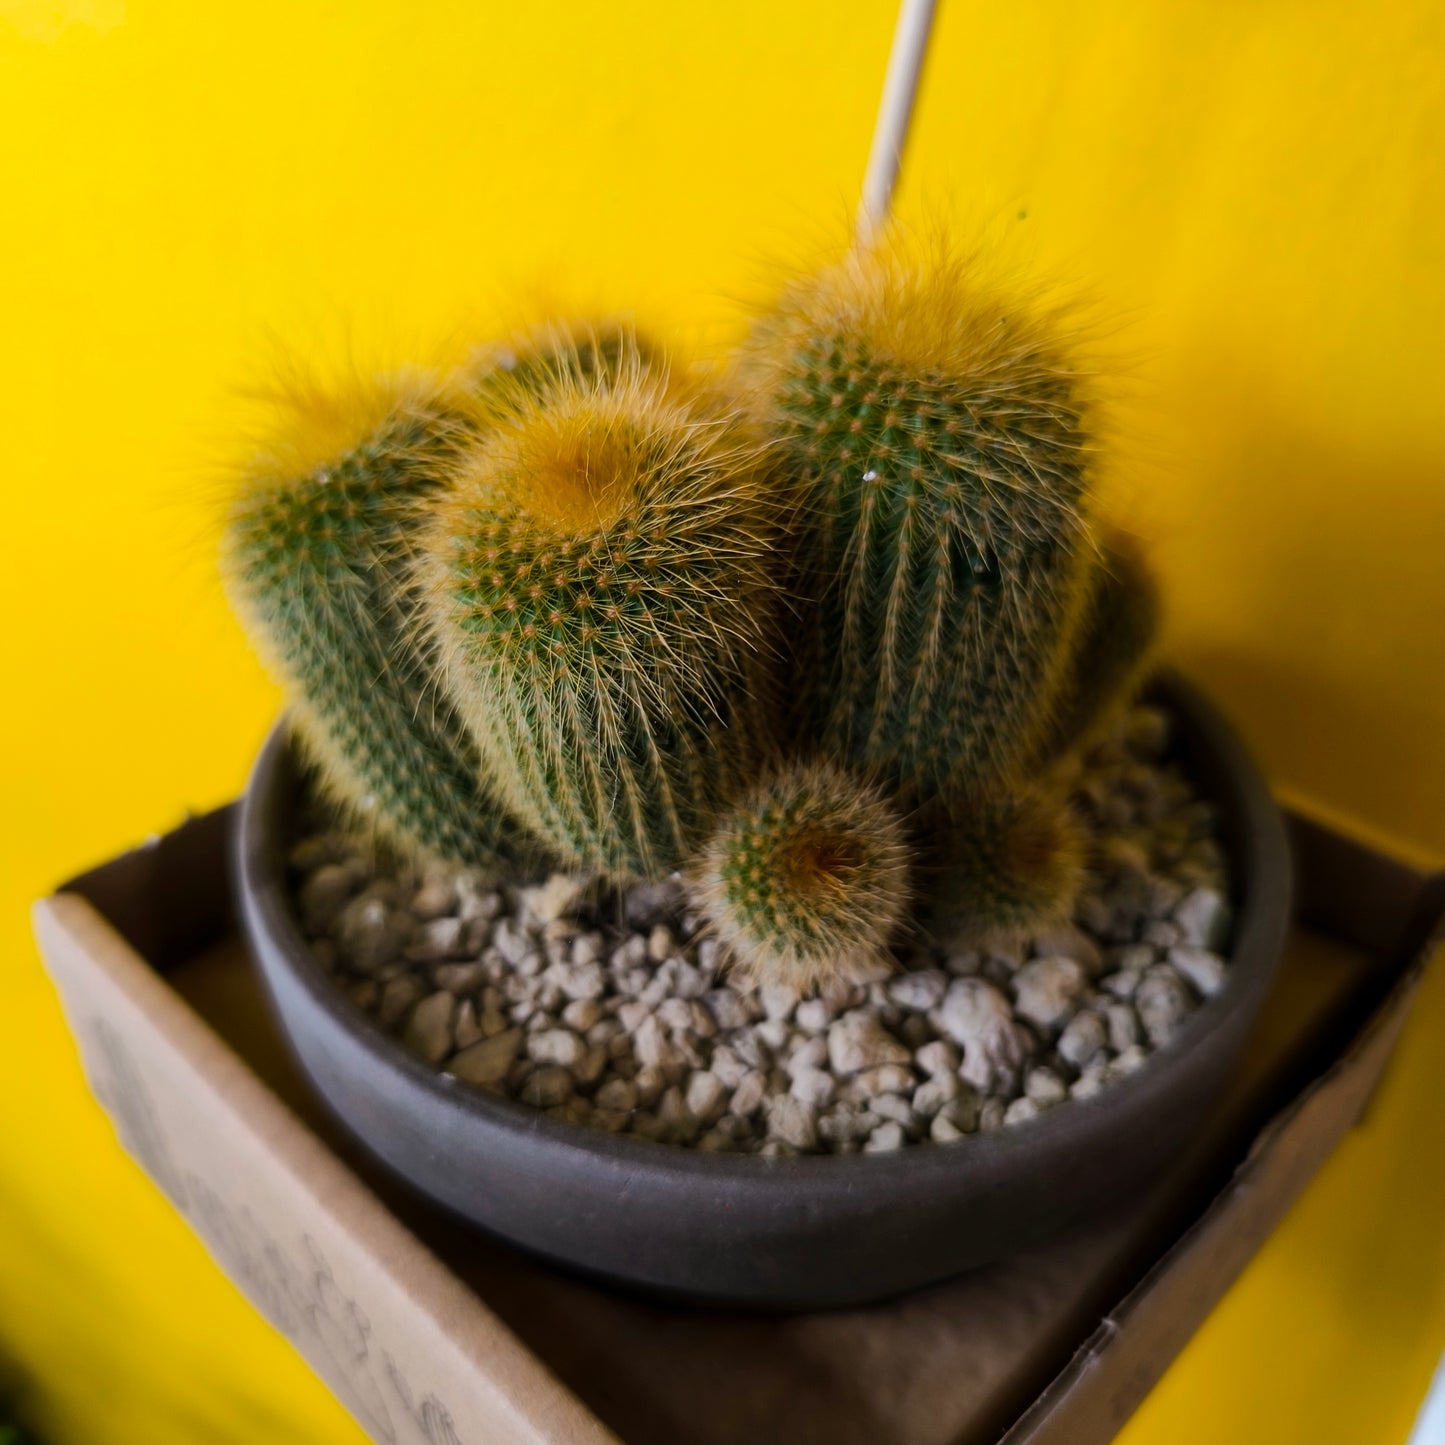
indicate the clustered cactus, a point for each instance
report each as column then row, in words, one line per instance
column 825, row 637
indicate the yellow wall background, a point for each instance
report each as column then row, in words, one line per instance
column 1256, row 193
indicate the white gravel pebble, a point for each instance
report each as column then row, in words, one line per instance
column 1162, row 1001
column 918, row 991
column 487, row 1062
column 885, row 1138
column 977, row 1016
column 1046, row 991
column 1083, row 1036
column 1207, row 971
column 1203, row 919
column 858, row 1041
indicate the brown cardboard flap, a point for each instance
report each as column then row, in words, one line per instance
column 411, row 1353
column 1112, row 1372
column 431, row 1332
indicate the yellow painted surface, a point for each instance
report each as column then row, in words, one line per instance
column 1256, row 193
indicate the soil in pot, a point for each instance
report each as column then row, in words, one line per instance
column 615, row 1011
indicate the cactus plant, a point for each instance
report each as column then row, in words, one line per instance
column 315, row 552
column 317, row 549
column 1114, row 651
column 939, row 439
column 1006, row 867
column 806, row 879
column 600, row 589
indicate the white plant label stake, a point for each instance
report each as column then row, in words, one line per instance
column 895, row 111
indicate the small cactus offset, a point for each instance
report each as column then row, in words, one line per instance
column 939, row 440
column 1006, row 868
column 601, row 591
column 316, row 551
column 806, row 880
column 1114, row 651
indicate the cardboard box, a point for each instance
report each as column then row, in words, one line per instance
column 430, row 1332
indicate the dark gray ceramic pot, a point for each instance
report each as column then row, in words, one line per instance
column 805, row 1231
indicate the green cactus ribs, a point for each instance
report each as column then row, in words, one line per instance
column 806, row 880
column 599, row 585
column 939, row 450
column 316, row 557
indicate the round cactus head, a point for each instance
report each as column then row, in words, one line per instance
column 806, row 880
column 1009, row 867
column 601, row 589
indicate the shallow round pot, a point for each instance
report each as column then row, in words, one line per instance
column 801, row 1231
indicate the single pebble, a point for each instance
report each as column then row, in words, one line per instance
column 512, row 941
column 1162, row 1001
column 813, row 1015
column 580, row 980
column 813, row 1087
column 727, row 1009
column 1045, row 1088
column 556, row 1046
column 397, row 997
column 629, row 954
column 885, row 1138
column 466, row 1031
column 1046, row 991
column 1122, row 985
column 429, row 1030
column 440, row 938
column 1161, row 932
column 977, row 1016
column 1123, row 1025
column 460, row 979
column 857, row 1041
column 942, row 1129
column 892, row 1106
column 748, row 1096
column 583, row 1015
column 1207, row 971
column 546, row 1088
column 325, row 891
column 487, row 1062
column 650, row 1082
column 549, row 901
column 918, row 992
column 727, row 1066
column 808, row 1053
column 619, row 1095
column 887, row 1079
column 792, row 1121
column 1083, row 1036
column 1203, row 919
column 1020, row 1110
column 778, row 1001
column 929, row 1097
column 633, row 1014
column 1072, row 942
column 706, row 1095
column 937, row 1058
column 652, row 1046
column 475, row 902
column 991, row 1115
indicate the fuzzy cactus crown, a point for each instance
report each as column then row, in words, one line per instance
column 826, row 636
